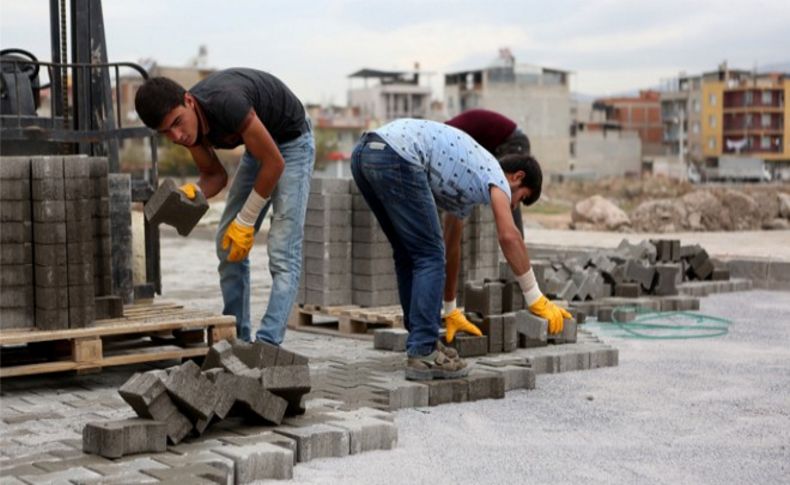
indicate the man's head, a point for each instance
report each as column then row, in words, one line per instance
column 524, row 177
column 168, row 108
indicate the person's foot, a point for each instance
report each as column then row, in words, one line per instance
column 436, row 365
column 449, row 351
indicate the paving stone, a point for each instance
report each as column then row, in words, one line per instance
column 569, row 330
column 532, row 330
column 402, row 394
column 485, row 385
column 259, row 402
column 445, row 391
column 193, row 473
column 113, row 439
column 64, row 476
column 483, row 298
column 108, row 306
column 15, row 168
column 393, row 339
column 317, row 441
column 171, row 206
column 515, row 376
column 509, row 332
column 624, row 315
column 256, row 355
column 83, row 460
column 195, row 395
column 627, row 290
column 260, row 461
column 263, row 437
column 493, row 327
column 221, row 355
column 469, row 345
column 604, row 314
column 368, row 434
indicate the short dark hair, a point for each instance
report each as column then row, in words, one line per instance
column 156, row 98
column 533, row 175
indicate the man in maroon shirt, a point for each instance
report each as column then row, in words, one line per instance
column 500, row 136
column 497, row 134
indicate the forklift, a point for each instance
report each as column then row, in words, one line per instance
column 84, row 109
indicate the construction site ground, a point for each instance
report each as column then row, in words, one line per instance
column 673, row 411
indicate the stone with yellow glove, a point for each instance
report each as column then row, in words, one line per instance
column 240, row 235
column 190, row 190
column 539, row 304
column 455, row 321
column 555, row 314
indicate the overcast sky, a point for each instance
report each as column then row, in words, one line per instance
column 611, row 45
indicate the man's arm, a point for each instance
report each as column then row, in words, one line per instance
column 213, row 177
column 453, row 231
column 263, row 148
column 510, row 239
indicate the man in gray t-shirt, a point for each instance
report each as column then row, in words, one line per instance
column 254, row 108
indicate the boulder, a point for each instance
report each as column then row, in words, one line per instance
column 703, row 211
column 784, row 204
column 662, row 215
column 740, row 211
column 777, row 224
column 599, row 212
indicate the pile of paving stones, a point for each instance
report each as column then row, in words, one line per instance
column 55, row 242
column 646, row 275
column 258, row 381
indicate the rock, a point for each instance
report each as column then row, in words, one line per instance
column 703, row 211
column 777, row 224
column 662, row 215
column 767, row 203
column 740, row 210
column 784, row 204
column 600, row 212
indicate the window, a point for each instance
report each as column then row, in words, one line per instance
column 712, row 99
column 712, row 121
column 695, row 127
column 748, row 98
column 765, row 120
column 711, row 143
column 696, row 106
column 765, row 142
column 768, row 98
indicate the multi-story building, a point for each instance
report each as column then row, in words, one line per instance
column 640, row 113
column 392, row 94
column 537, row 98
column 681, row 115
column 746, row 114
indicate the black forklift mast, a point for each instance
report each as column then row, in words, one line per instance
column 85, row 119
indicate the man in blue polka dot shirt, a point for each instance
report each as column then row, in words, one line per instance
column 405, row 170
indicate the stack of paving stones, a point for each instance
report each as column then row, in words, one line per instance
column 56, row 242
column 326, row 279
column 120, row 190
column 16, row 245
column 373, row 272
column 479, row 249
column 611, row 285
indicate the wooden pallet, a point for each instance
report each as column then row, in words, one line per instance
column 344, row 320
column 146, row 332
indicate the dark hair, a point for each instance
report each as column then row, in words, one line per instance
column 533, row 175
column 156, row 98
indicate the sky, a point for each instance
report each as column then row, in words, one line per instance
column 611, row 46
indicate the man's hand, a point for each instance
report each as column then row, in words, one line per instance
column 239, row 239
column 190, row 190
column 455, row 321
column 551, row 312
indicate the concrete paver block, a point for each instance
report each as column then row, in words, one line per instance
column 368, row 434
column 445, row 391
column 193, row 393
column 393, row 339
column 469, row 345
column 259, row 462
column 171, row 206
column 485, row 385
column 255, row 355
column 114, row 439
column 532, row 330
column 317, row 441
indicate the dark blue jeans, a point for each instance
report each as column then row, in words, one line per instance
column 400, row 197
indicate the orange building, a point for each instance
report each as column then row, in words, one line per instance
column 638, row 113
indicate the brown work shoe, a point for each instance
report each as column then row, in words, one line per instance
column 448, row 351
column 436, row 365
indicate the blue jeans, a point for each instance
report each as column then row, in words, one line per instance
column 289, row 204
column 400, row 197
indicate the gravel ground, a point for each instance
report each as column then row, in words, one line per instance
column 674, row 411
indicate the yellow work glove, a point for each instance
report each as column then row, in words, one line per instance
column 455, row 321
column 239, row 239
column 551, row 312
column 190, row 190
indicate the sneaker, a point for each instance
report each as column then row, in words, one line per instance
column 436, row 365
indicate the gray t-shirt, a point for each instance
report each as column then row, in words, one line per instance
column 229, row 98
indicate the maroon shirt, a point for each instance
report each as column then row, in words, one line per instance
column 488, row 128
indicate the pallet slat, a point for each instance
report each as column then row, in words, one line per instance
column 146, row 333
column 352, row 320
